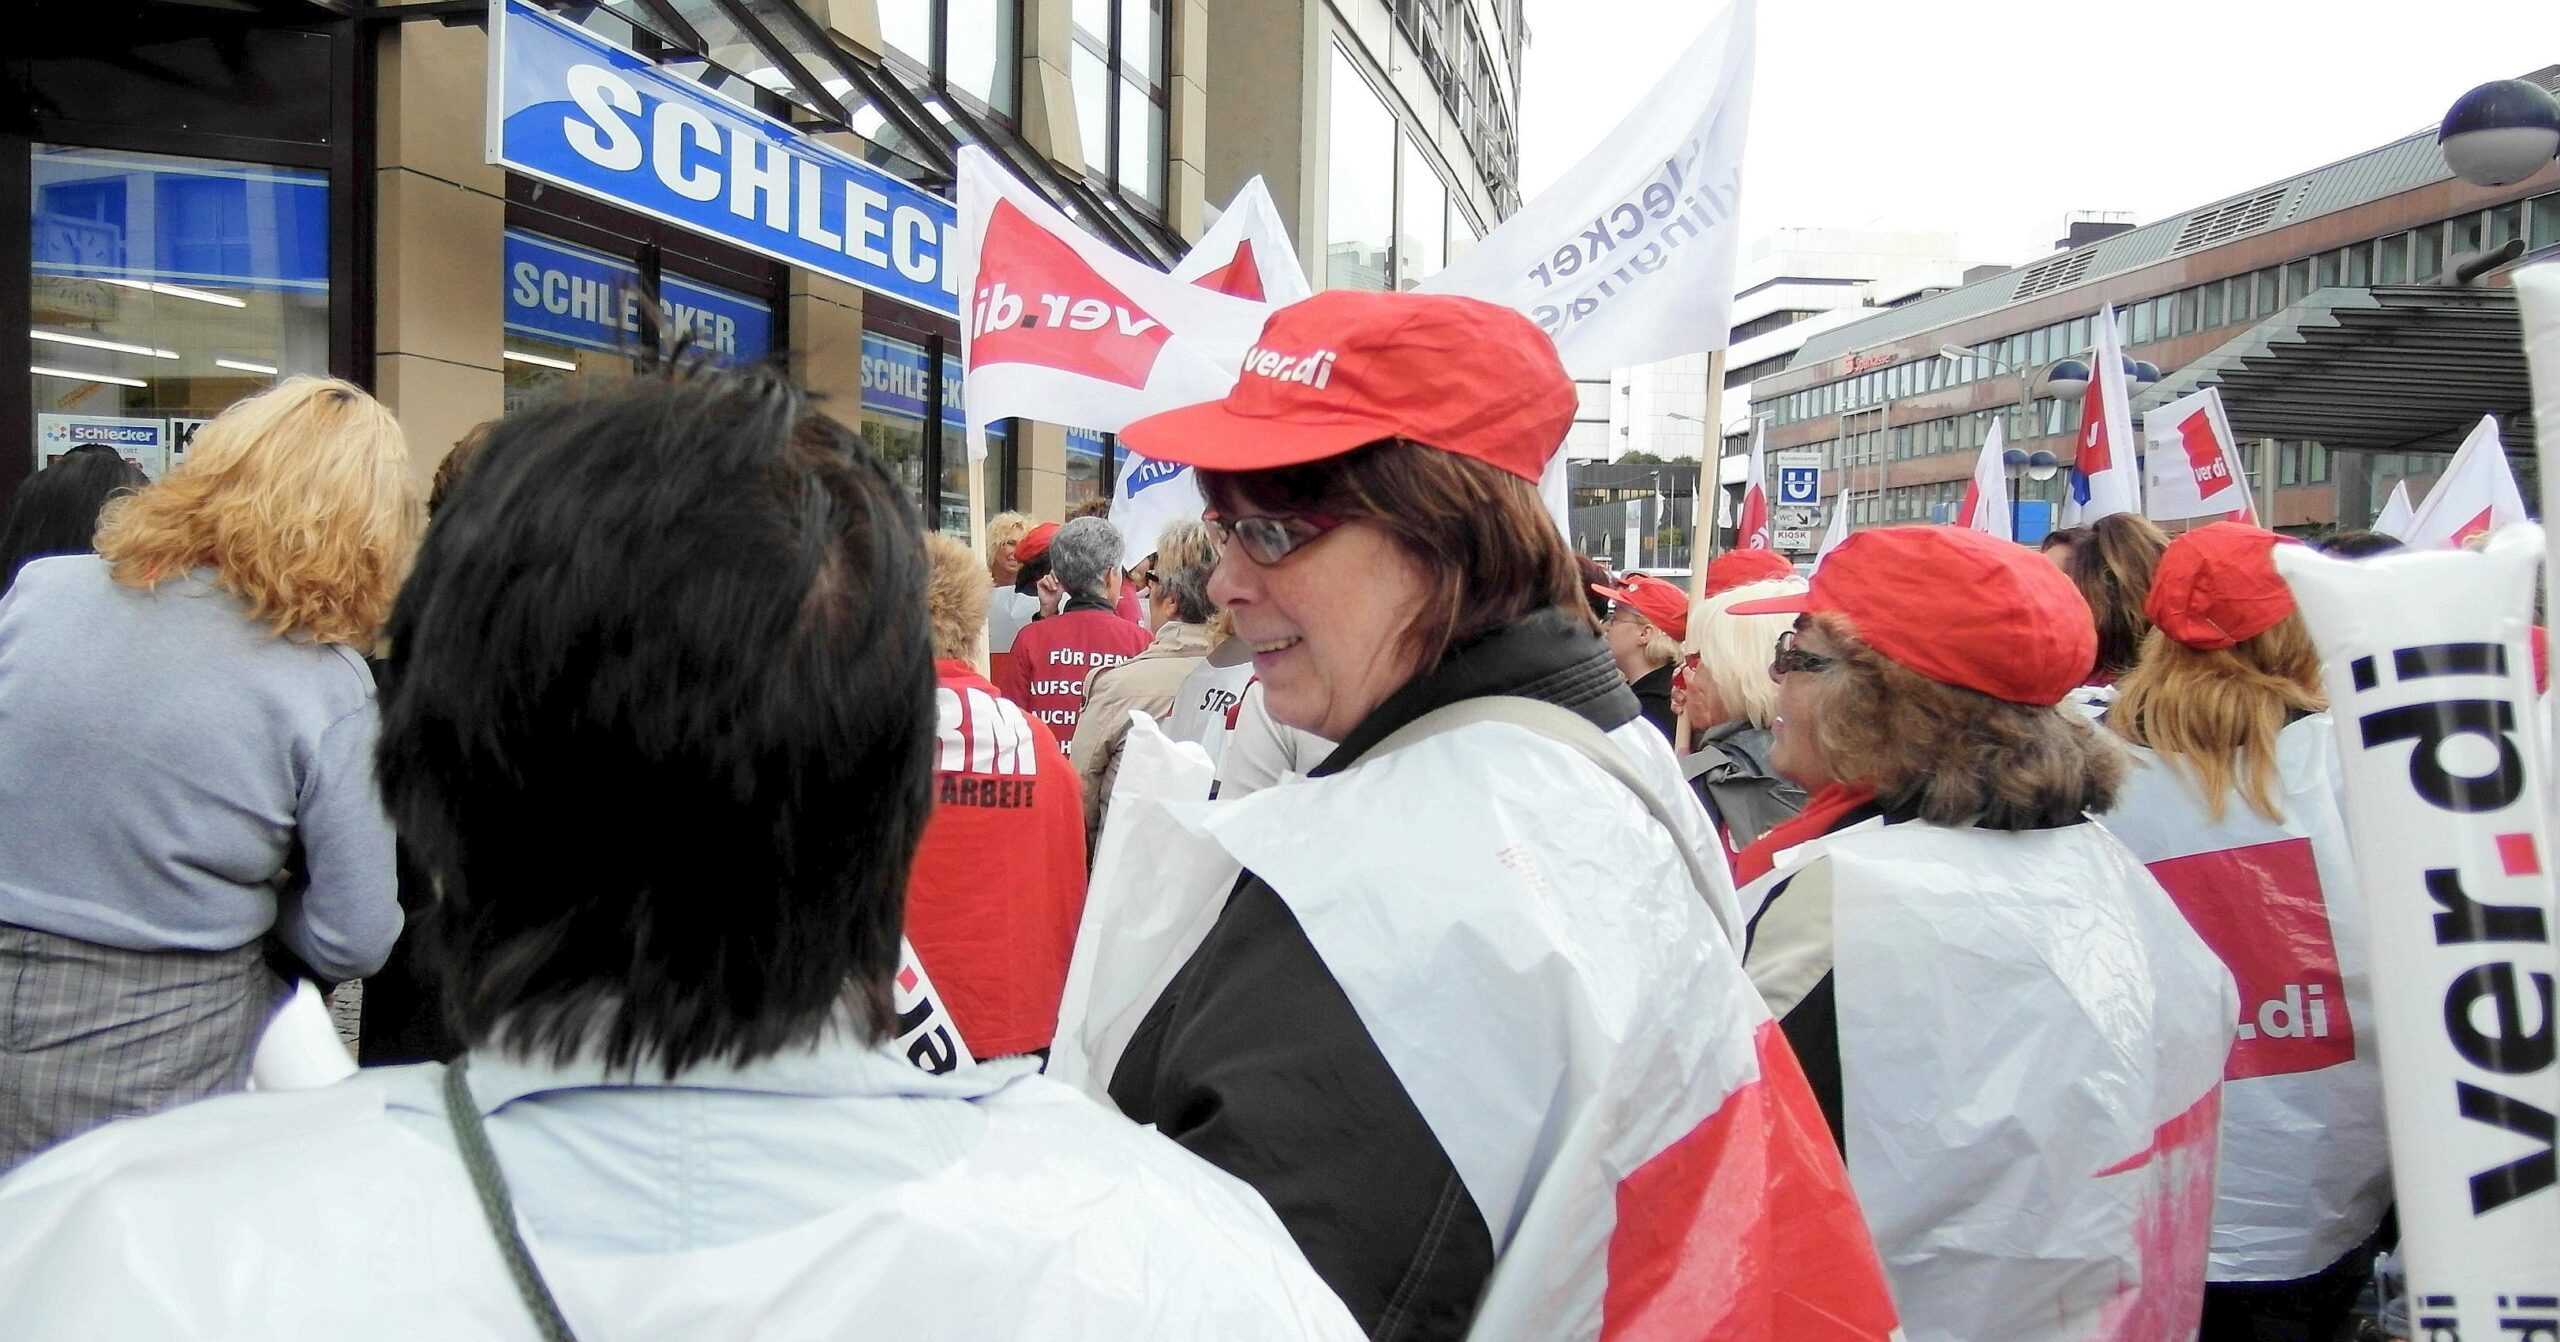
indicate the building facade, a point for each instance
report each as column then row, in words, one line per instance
column 223, row 195
column 2201, row 295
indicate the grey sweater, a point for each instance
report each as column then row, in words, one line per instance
column 163, row 760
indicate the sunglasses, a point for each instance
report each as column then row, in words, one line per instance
column 1268, row 538
column 1789, row 657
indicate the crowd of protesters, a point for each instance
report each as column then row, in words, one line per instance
column 1565, row 973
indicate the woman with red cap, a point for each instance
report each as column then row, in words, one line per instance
column 1469, row 1018
column 2013, row 1032
column 2110, row 561
column 2233, row 802
column 1648, row 618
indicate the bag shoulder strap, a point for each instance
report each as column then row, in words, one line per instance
column 1574, row 732
column 491, row 1184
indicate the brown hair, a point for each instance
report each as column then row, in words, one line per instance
column 1953, row 756
column 2216, row 713
column 1482, row 536
column 2112, row 560
column 456, row 463
column 955, row 597
column 1097, row 506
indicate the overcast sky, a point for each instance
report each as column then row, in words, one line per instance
column 1980, row 116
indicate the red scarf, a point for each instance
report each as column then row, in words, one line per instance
column 1822, row 814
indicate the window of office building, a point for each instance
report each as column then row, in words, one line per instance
column 1119, row 69
column 965, row 47
column 1360, row 173
column 1422, row 217
column 163, row 288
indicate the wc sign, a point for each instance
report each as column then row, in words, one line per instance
column 1799, row 479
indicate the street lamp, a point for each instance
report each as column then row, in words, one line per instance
column 2500, row 133
column 2038, row 465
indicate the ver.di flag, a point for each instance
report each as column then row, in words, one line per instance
column 1247, row 253
column 2105, row 476
column 1838, row 531
column 1754, row 531
column 1628, row 258
column 1986, row 496
column 2193, row 468
column 1055, row 325
column 2476, row 494
column 2397, row 512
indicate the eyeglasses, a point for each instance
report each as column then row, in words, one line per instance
column 1789, row 657
column 1269, row 538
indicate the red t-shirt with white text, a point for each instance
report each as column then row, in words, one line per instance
column 1052, row 657
column 998, row 886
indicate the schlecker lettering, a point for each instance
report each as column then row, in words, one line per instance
column 2431, row 725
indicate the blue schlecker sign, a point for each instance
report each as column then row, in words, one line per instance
column 893, row 381
column 583, row 298
column 575, row 110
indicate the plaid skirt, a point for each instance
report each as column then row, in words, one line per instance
column 92, row 1033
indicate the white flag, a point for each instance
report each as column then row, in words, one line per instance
column 2397, row 512
column 1986, row 496
column 1147, row 497
column 1247, row 253
column 2193, row 467
column 2476, row 494
column 1755, row 531
column 2105, row 476
column 1055, row 325
column 1628, row 258
column 1838, row 531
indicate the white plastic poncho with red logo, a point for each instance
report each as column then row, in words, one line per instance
column 2031, row 1048
column 1556, row 998
column 2305, row 1167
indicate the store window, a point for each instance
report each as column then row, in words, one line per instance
column 1119, row 70
column 165, row 288
column 1088, row 465
column 1360, row 173
column 896, row 388
column 572, row 311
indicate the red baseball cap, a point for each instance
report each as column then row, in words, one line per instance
column 1034, row 543
column 1661, row 602
column 2217, row 586
column 1957, row 606
column 1739, row 568
column 1348, row 367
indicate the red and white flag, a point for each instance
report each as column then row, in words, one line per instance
column 2107, row 463
column 1247, row 253
column 2397, row 512
column 2476, row 494
column 2193, row 468
column 1056, row 325
column 1986, row 495
column 1754, row 531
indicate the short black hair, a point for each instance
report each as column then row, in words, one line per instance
column 658, row 723
column 56, row 511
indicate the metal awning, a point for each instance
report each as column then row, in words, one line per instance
column 2396, row 369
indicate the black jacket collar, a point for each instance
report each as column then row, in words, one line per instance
column 1549, row 655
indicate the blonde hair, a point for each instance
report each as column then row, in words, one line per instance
column 1734, row 650
column 955, row 598
column 1004, row 529
column 2215, row 714
column 1185, row 557
column 299, row 500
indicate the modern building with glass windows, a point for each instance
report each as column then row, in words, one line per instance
column 219, row 195
column 2355, row 317
column 1386, row 129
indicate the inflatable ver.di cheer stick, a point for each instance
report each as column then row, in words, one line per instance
column 2430, row 678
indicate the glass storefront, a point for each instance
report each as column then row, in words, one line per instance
column 162, row 289
column 895, row 390
column 1088, row 465
column 573, row 311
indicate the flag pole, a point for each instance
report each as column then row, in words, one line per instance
column 1702, row 531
